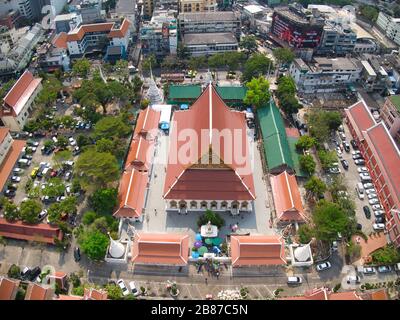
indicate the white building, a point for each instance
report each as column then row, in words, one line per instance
column 90, row 36
column 325, row 75
column 67, row 22
column 390, row 26
column 201, row 44
column 18, row 101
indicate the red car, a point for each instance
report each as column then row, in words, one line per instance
column 53, row 173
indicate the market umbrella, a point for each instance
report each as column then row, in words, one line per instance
column 216, row 241
column 198, row 236
column 184, row 106
column 208, row 241
column 202, row 250
column 216, row 250
column 198, row 244
column 195, row 254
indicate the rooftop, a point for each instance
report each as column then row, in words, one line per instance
column 395, row 101
column 360, row 117
column 39, row 292
column 9, row 161
column 257, row 250
column 204, row 38
column 8, row 288
column 184, row 92
column 207, row 16
column 160, row 248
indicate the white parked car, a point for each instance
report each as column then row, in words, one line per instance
column 123, row 287
column 362, row 169
column 355, row 152
column 134, row 290
column 369, row 191
column 324, row 266
column 373, row 201
column 368, row 186
column 372, row 196
column 365, row 175
column 368, row 270
column 379, row 213
column 378, row 226
column 377, row 207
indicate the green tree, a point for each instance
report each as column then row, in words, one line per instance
column 257, row 93
column 82, row 140
column 353, row 250
column 211, row 216
column 89, row 217
column 315, row 187
column 196, row 63
column 182, row 51
column 97, row 168
column 306, row 233
column 111, row 127
column 105, row 145
column 48, row 95
column 54, row 212
column 5, row 88
column 286, row 87
column 284, row 55
column 369, row 12
column 103, row 201
column 94, row 244
column 307, row 163
column 68, row 205
column 144, row 103
column 121, row 67
column 329, row 219
column 62, row 156
column 114, row 292
column 149, row 62
column 386, row 255
column 54, row 188
column 289, row 104
column 305, row 142
column 248, row 44
column 216, row 61
column 62, row 142
column 11, row 212
column 81, row 67
column 29, row 211
column 327, row 158
column 257, row 65
column 14, row 272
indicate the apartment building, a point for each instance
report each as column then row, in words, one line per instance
column 382, row 157
column 337, row 38
column 325, row 75
column 198, row 5
column 390, row 26
column 209, row 22
column 92, row 37
column 18, row 102
column 67, row 22
column 201, row 44
column 390, row 114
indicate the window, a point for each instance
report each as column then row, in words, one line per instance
column 203, row 205
column 193, row 204
column 173, row 204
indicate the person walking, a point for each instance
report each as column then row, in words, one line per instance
column 206, row 280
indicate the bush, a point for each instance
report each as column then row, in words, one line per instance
column 337, row 287
column 89, row 217
column 386, row 255
column 78, row 291
column 211, row 216
column 75, row 280
column 14, row 272
column 305, row 233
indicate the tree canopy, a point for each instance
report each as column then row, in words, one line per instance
column 283, row 55
column 327, row 158
column 307, row 163
column 257, row 65
column 248, row 44
column 109, row 127
column 29, row 211
column 94, row 244
column 315, row 186
column 258, row 93
column 81, row 67
column 103, row 201
column 97, row 168
column 305, row 142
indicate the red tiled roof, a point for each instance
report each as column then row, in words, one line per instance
column 287, row 197
column 3, row 133
column 39, row 232
column 21, row 91
column 9, row 161
column 325, row 294
column 94, row 294
column 132, row 191
column 147, row 121
column 257, row 250
column 108, row 27
column 8, row 288
column 379, row 295
column 39, row 292
column 65, row 297
column 60, row 40
column 360, row 117
column 350, row 295
column 140, row 153
column 387, row 156
column 160, row 248
column 190, row 173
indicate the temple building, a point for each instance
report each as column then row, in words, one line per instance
column 209, row 163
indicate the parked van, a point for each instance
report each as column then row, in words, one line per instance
column 294, row 280
column 360, row 191
column 24, row 162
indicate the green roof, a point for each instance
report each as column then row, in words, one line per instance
column 276, row 146
column 396, row 101
column 296, row 157
column 184, row 91
column 231, row 92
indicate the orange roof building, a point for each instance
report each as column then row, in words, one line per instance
column 287, row 199
column 212, row 164
column 39, row 292
column 41, row 232
column 257, row 250
column 325, row 294
column 88, row 36
column 160, row 249
column 135, row 178
column 10, row 152
column 17, row 103
column 8, row 288
column 94, row 294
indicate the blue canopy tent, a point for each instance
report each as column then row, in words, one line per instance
column 195, row 254
column 164, row 126
column 198, row 237
column 184, row 106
